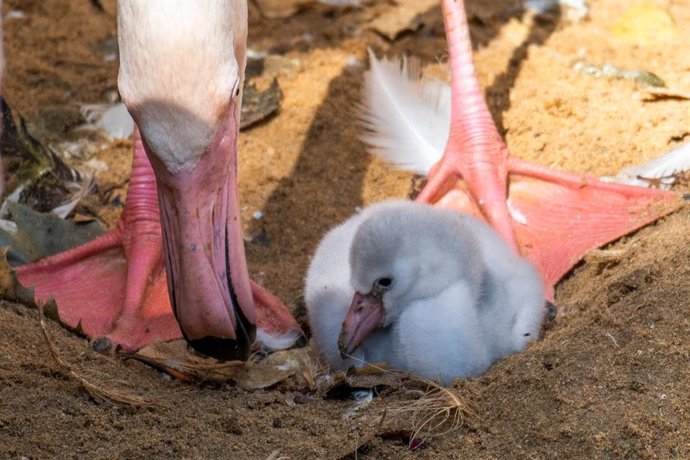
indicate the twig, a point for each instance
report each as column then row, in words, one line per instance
column 275, row 455
column 614, row 339
column 437, row 412
column 658, row 94
column 96, row 391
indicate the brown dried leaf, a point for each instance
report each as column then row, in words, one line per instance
column 176, row 359
column 8, row 280
column 659, row 94
column 9, row 286
column 277, row 9
column 401, row 18
column 259, row 105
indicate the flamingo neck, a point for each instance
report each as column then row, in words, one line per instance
column 181, row 69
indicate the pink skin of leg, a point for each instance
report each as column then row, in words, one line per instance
column 475, row 151
column 550, row 217
column 115, row 286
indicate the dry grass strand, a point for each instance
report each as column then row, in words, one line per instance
column 97, row 391
column 437, row 412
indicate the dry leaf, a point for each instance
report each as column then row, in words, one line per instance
column 40, row 235
column 259, row 105
column 277, row 9
column 10, row 287
column 660, row 94
column 176, row 359
column 403, row 17
column 8, row 280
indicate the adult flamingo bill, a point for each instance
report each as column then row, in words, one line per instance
column 179, row 240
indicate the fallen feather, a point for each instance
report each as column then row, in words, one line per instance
column 41, row 179
column 575, row 9
column 14, row 14
column 407, row 117
column 660, row 172
column 113, row 119
column 78, row 191
column 432, row 412
column 361, row 399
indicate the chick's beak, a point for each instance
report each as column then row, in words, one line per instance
column 366, row 313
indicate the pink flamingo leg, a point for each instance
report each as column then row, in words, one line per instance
column 552, row 218
column 115, row 286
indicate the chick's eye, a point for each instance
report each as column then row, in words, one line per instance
column 383, row 283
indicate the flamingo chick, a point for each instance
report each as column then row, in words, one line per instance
column 426, row 290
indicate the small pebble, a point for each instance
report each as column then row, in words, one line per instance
column 101, row 345
column 15, row 14
column 302, row 399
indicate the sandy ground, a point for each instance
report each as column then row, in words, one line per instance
column 610, row 379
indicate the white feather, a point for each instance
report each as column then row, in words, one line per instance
column 8, row 226
column 114, row 119
column 407, row 118
column 661, row 171
column 12, row 198
column 542, row 6
column 78, row 189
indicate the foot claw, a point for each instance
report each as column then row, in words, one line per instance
column 102, row 345
column 551, row 311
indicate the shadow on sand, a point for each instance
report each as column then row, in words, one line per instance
column 334, row 162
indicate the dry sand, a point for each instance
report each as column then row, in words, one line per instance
column 610, row 379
